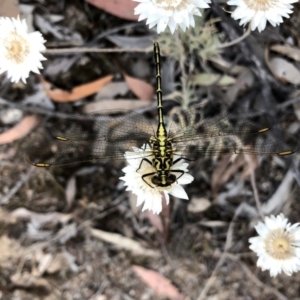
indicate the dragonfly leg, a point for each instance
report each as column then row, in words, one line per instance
column 144, row 159
column 178, row 171
column 182, row 158
column 147, row 175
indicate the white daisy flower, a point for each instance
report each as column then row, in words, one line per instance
column 258, row 12
column 19, row 50
column 170, row 13
column 277, row 246
column 147, row 192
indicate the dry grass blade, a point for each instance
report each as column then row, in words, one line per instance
column 122, row 242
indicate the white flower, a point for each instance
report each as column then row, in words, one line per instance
column 277, row 245
column 19, row 50
column 170, row 13
column 148, row 193
column 258, row 12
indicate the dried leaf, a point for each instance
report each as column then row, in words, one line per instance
column 66, row 233
column 62, row 261
column 223, row 172
column 225, row 66
column 207, row 79
column 115, row 105
column 112, row 90
column 39, row 219
column 11, row 250
column 9, row 8
column 127, row 42
column 19, row 130
column 227, row 168
column 120, row 8
column 289, row 51
column 296, row 105
column 214, row 223
column 123, row 243
column 140, row 88
column 281, row 196
column 251, row 165
column 27, row 280
column 70, row 191
column 284, row 70
column 76, row 93
column 44, row 261
column 197, row 205
column 160, row 284
column 10, row 116
column 244, row 80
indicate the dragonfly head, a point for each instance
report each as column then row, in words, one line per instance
column 163, row 180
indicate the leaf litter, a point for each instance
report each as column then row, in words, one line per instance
column 73, row 227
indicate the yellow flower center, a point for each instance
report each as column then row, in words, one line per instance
column 17, row 48
column 279, row 245
column 171, row 4
column 260, row 5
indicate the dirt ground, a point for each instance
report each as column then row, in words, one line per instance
column 74, row 232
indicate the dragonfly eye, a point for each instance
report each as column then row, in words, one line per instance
column 155, row 180
column 171, row 179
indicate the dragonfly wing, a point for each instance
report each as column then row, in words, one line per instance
column 90, row 138
column 251, row 132
column 274, row 141
column 194, row 122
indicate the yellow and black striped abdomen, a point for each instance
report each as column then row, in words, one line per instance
column 161, row 144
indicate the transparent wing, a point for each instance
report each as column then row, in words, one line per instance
column 192, row 122
column 249, row 132
column 91, row 138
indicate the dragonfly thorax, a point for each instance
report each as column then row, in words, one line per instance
column 162, row 161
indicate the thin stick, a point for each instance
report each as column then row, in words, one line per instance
column 95, row 50
column 24, row 178
column 255, row 279
column 236, row 41
column 228, row 242
column 254, row 187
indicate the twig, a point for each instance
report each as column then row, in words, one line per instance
column 254, row 187
column 46, row 112
column 184, row 77
column 17, row 186
column 212, row 278
column 255, row 279
column 281, row 195
column 236, row 41
column 288, row 103
column 89, row 49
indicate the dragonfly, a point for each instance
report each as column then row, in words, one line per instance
column 190, row 134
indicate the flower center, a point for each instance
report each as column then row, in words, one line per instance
column 170, row 4
column 17, row 48
column 260, row 5
column 278, row 245
column 281, row 245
